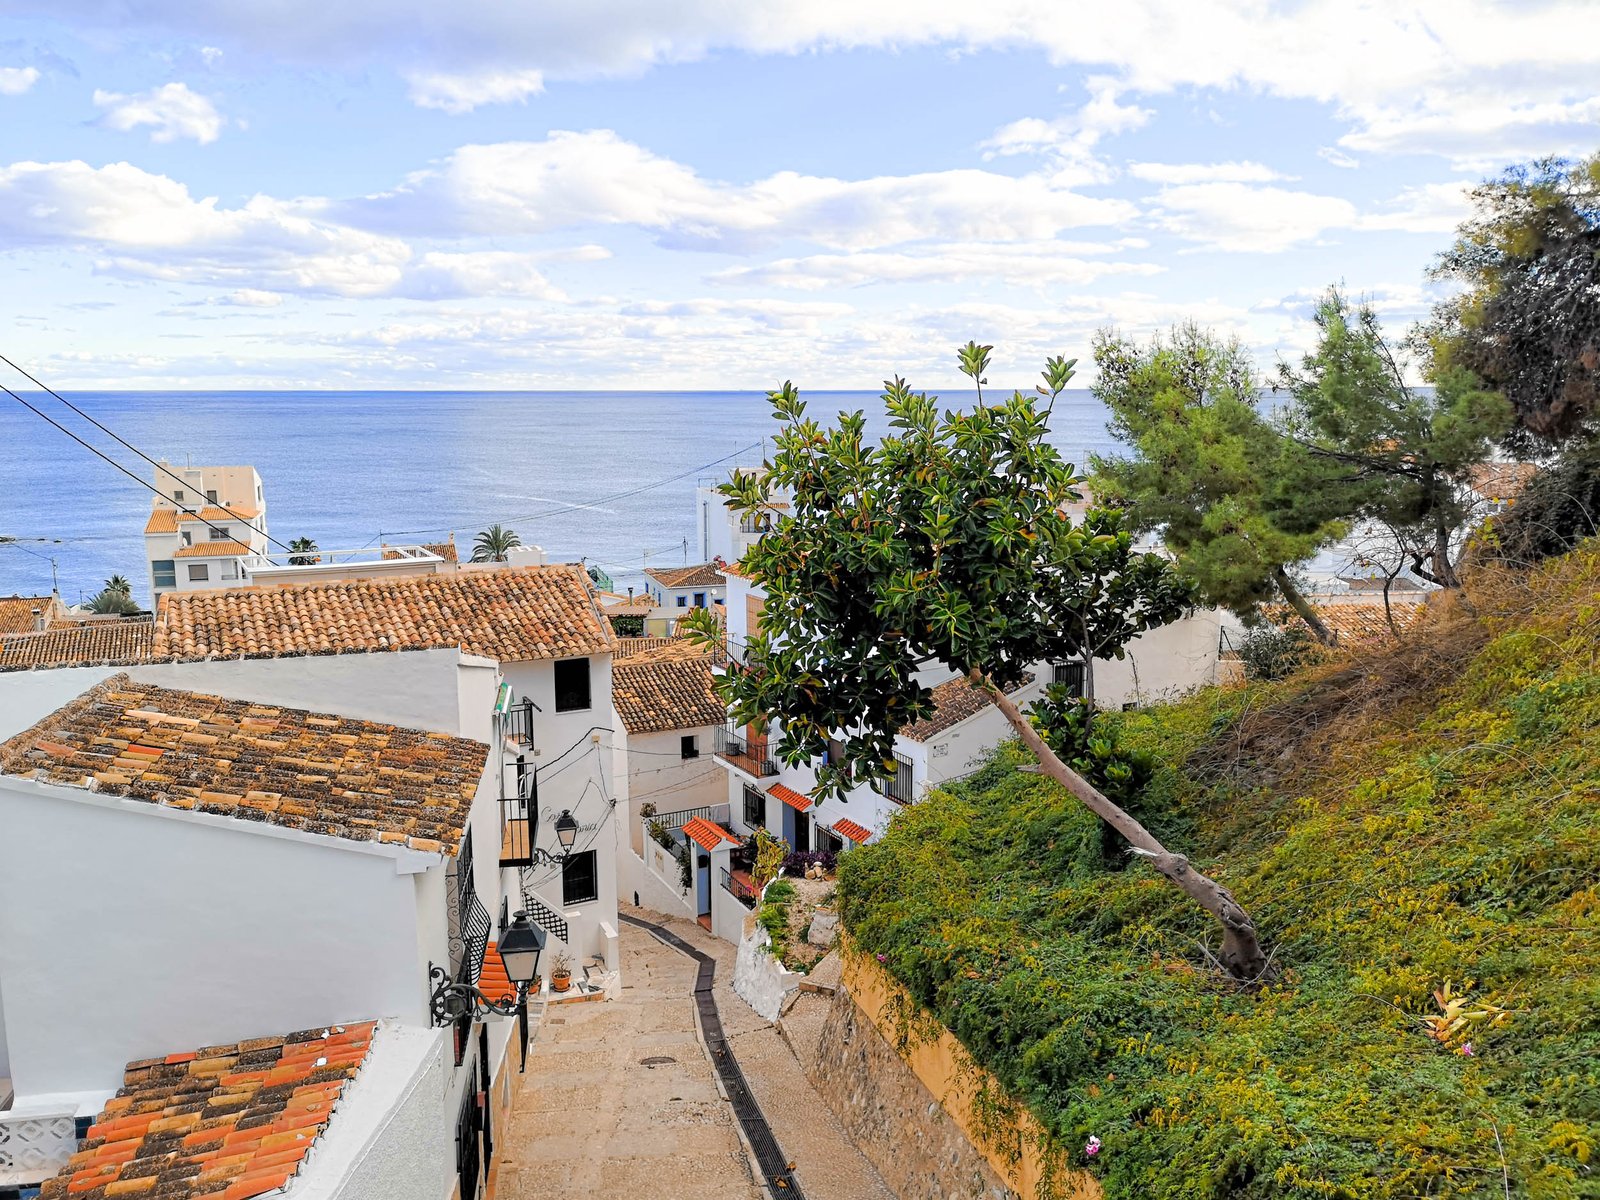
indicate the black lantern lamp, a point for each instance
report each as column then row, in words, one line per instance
column 521, row 944
column 566, row 831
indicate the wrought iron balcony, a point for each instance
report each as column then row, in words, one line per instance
column 898, row 787
column 737, row 746
column 741, row 888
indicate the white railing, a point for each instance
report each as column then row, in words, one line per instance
column 279, row 561
column 34, row 1147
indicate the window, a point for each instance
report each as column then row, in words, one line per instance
column 164, row 573
column 1070, row 674
column 683, row 602
column 188, row 538
column 572, row 684
column 198, row 571
column 177, row 495
column 699, row 599
column 219, row 535
column 580, row 880
column 230, row 568
column 755, row 808
column 690, row 750
column 211, row 496
column 828, row 842
column 258, row 493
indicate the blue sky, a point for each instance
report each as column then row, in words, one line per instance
column 692, row 193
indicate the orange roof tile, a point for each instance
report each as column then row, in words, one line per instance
column 708, row 835
column 82, row 644
column 215, row 514
column 954, row 701
column 656, row 649
column 513, row 615
column 358, row 780
column 847, row 828
column 1360, row 621
column 226, row 1122
column 17, row 612
column 699, row 575
column 211, row 550
column 653, row 696
column 162, row 520
column 795, row 800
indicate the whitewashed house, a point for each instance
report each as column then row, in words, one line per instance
column 673, row 592
column 205, row 524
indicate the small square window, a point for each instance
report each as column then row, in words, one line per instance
column 199, row 571
column 211, row 496
column 580, row 878
column 572, row 685
column 699, row 599
column 1070, row 674
column 683, row 602
column 163, row 573
column 690, row 750
column 177, row 495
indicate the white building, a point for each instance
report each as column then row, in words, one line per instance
column 723, row 535
column 673, row 592
column 516, row 660
column 205, row 522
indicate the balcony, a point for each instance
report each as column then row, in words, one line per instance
column 738, row 747
column 739, row 885
column 516, row 832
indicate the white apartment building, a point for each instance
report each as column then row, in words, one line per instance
column 205, row 524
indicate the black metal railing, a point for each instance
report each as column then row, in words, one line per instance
column 519, row 818
column 743, row 892
column 672, row 821
column 466, row 919
column 517, row 724
column 898, row 786
column 735, row 744
column 540, row 913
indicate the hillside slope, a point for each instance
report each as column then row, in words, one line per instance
column 1414, row 831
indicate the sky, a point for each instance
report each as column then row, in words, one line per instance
column 682, row 194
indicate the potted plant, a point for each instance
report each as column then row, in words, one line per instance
column 561, row 973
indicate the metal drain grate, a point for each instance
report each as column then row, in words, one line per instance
column 769, row 1155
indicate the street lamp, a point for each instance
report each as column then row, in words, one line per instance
column 520, row 945
column 566, row 835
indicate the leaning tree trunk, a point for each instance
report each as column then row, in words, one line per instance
column 1299, row 604
column 1241, row 950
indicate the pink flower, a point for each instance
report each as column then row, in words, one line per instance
column 1093, row 1147
column 1466, row 1050
column 883, row 958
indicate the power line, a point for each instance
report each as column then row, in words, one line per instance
column 158, row 466
column 101, row 454
column 560, row 508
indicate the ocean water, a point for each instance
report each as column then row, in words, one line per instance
column 606, row 476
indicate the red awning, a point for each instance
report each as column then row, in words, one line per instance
column 792, row 798
column 708, row 835
column 847, row 828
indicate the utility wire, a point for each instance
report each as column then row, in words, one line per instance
column 158, row 466
column 560, row 508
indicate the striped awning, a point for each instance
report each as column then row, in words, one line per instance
column 795, row 800
column 847, row 828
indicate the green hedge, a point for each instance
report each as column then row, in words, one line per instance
column 1452, row 837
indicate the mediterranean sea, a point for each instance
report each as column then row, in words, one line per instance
column 605, row 476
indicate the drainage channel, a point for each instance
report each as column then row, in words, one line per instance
column 769, row 1155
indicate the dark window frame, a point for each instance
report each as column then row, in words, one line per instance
column 759, row 797
column 683, row 602
column 688, row 746
column 569, row 892
column 164, row 572
column 1074, row 676
column 567, row 696
column 205, row 572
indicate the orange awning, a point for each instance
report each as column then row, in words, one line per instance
column 789, row 796
column 493, row 981
column 708, row 835
column 847, row 828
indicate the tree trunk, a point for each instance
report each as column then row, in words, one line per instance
column 1298, row 603
column 1443, row 569
column 1241, row 951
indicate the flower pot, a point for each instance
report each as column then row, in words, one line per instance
column 560, row 981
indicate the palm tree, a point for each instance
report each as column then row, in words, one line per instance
column 119, row 583
column 114, row 601
column 493, row 544
column 304, row 552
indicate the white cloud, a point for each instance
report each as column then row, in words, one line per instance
column 1427, row 208
column 1014, row 264
column 1240, row 217
column 461, row 93
column 1478, row 132
column 212, row 55
column 171, row 110
column 1337, row 158
column 1397, row 73
column 1223, row 172
column 252, row 298
column 1068, row 142
column 16, row 80
column 597, row 178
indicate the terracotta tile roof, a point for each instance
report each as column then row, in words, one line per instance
column 699, row 575
column 225, row 1122
column 1500, row 481
column 162, row 520
column 359, row 780
column 795, row 800
column 445, row 550
column 656, row 649
column 211, row 550
column 216, row 515
column 954, row 701
column 494, row 981
column 847, row 828
column 16, row 612
column 654, row 695
column 1360, row 621
column 513, row 615
column 76, row 645
column 708, row 835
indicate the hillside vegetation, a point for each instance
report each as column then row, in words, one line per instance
column 1416, row 831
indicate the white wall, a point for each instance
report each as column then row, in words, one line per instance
column 27, row 697
column 417, row 689
column 128, row 931
column 1162, row 664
